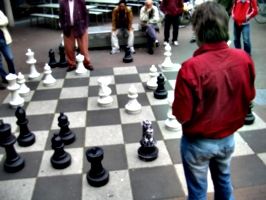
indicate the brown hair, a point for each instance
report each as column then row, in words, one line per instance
column 210, row 21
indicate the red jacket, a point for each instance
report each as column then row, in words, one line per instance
column 213, row 91
column 242, row 12
column 172, row 7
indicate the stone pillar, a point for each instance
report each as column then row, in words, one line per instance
column 9, row 13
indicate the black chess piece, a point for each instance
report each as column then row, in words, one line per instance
column 97, row 176
column 52, row 62
column 147, row 151
column 25, row 138
column 160, row 92
column 13, row 162
column 127, row 58
column 62, row 62
column 60, row 159
column 250, row 118
column 65, row 133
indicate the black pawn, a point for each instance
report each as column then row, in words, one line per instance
column 52, row 62
column 13, row 162
column 60, row 158
column 147, row 153
column 65, row 133
column 62, row 61
column 25, row 138
column 127, row 58
column 160, row 92
column 250, row 118
column 97, row 176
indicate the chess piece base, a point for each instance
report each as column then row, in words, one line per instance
column 172, row 125
column 62, row 163
column 26, row 141
column 15, row 105
column 128, row 60
column 99, row 181
column 62, row 64
column 49, row 84
column 14, row 165
column 105, row 102
column 68, row 138
column 148, row 153
column 249, row 119
column 160, row 95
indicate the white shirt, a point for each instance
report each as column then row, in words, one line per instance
column 71, row 9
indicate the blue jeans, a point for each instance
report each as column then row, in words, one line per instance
column 6, row 51
column 200, row 154
column 245, row 30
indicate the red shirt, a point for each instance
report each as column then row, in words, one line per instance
column 213, row 91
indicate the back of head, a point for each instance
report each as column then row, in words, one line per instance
column 210, row 23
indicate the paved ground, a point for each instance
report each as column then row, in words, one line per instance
column 41, row 39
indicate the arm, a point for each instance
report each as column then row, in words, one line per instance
column 114, row 19
column 254, row 9
column 130, row 19
column 162, row 7
column 85, row 13
column 3, row 19
column 156, row 17
column 143, row 15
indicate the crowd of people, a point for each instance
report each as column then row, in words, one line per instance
column 213, row 89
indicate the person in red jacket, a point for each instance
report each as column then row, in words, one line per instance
column 211, row 100
column 172, row 10
column 242, row 12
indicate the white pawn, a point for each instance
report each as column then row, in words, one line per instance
column 104, row 99
column 13, row 87
column 152, row 83
column 167, row 64
column 48, row 80
column 23, row 89
column 31, row 61
column 171, row 123
column 133, row 106
column 81, row 70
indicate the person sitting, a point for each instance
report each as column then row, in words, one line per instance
column 122, row 18
column 149, row 18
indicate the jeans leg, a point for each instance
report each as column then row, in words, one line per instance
column 6, row 51
column 167, row 24
column 151, row 32
column 195, row 163
column 246, row 38
column 3, row 73
column 237, row 34
column 175, row 21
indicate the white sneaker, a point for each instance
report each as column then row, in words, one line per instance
column 175, row 43
column 132, row 50
column 114, row 51
column 165, row 43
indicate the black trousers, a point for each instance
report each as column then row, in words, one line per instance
column 171, row 20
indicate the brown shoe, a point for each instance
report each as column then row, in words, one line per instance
column 69, row 69
column 90, row 67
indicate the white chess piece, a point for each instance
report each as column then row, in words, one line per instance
column 152, row 83
column 81, row 70
column 13, row 87
column 133, row 106
column 23, row 89
column 167, row 64
column 104, row 100
column 171, row 123
column 31, row 61
column 48, row 80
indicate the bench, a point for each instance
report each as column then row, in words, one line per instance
column 96, row 13
column 54, row 18
column 138, row 5
column 106, row 11
column 100, row 36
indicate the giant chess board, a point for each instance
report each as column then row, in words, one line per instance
column 119, row 134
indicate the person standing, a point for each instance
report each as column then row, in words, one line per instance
column 149, row 19
column 5, row 40
column 122, row 18
column 212, row 95
column 73, row 18
column 242, row 12
column 172, row 10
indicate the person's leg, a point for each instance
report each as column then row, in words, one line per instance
column 149, row 44
column 195, row 161
column 167, row 25
column 220, row 169
column 175, row 21
column 3, row 73
column 130, row 40
column 6, row 51
column 69, row 44
column 83, row 47
column 115, row 42
column 151, row 32
column 246, row 38
column 237, row 34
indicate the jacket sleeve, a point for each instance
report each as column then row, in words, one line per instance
column 114, row 19
column 156, row 17
column 130, row 19
column 163, row 7
column 143, row 15
column 254, row 9
column 85, row 13
column 3, row 19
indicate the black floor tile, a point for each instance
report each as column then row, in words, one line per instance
column 101, row 117
column 170, row 75
column 155, row 183
column 42, row 95
column 146, row 69
column 40, row 122
column 160, row 111
column 7, row 111
column 70, row 105
column 76, row 82
column 256, row 139
column 102, row 72
column 173, row 147
column 130, row 78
